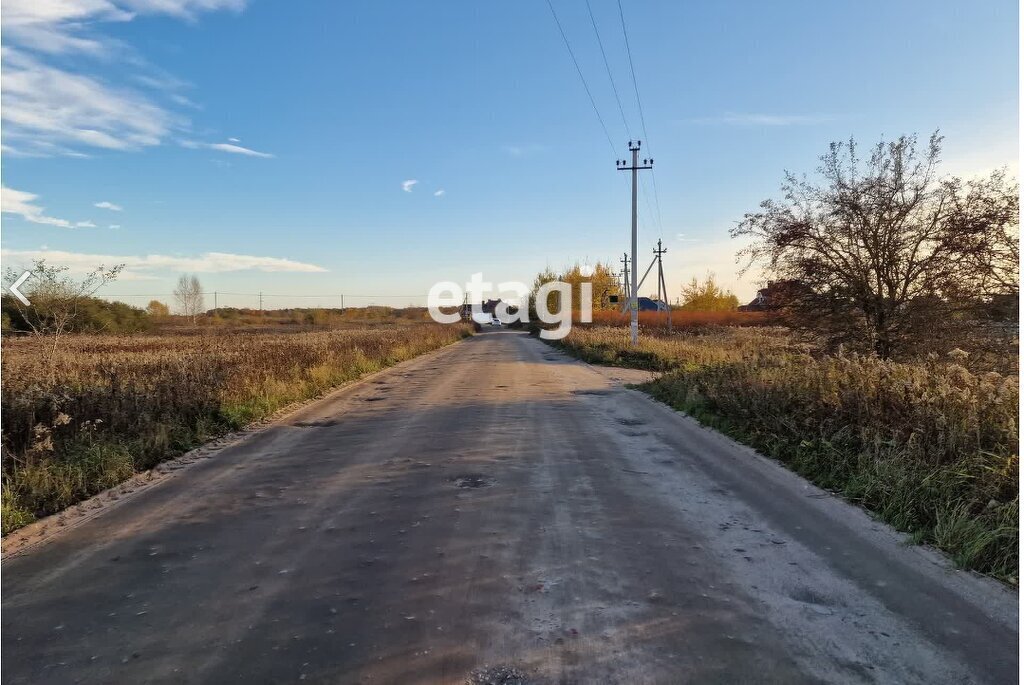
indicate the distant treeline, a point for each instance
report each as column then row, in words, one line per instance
column 95, row 315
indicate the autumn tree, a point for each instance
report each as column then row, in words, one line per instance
column 604, row 282
column 157, row 309
column 887, row 253
column 707, row 296
column 189, row 296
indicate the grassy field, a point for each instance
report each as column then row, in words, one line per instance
column 931, row 447
column 104, row 407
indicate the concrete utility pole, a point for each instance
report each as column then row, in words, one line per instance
column 625, row 281
column 662, row 288
column 261, row 303
column 634, row 167
column 214, row 300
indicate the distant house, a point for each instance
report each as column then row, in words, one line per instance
column 774, row 296
column 487, row 307
column 647, row 304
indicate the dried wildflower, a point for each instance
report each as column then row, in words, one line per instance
column 957, row 355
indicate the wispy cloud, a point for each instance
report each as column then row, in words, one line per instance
column 140, row 265
column 439, row 192
column 234, row 140
column 21, row 203
column 84, row 224
column 108, row 205
column 230, row 148
column 407, row 185
column 114, row 226
column 52, row 111
column 55, row 104
column 755, row 119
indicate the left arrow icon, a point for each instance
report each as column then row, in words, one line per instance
column 17, row 284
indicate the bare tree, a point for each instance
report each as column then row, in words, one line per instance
column 885, row 253
column 189, row 296
column 56, row 298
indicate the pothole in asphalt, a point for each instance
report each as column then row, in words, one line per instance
column 472, row 480
column 500, row 675
column 314, row 424
column 632, row 422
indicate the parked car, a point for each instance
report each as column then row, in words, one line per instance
column 495, row 321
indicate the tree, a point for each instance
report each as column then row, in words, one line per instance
column 189, row 296
column 603, row 283
column 57, row 300
column 157, row 309
column 707, row 296
column 887, row 253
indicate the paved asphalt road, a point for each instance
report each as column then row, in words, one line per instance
column 492, row 509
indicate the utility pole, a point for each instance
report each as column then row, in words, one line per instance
column 343, row 302
column 261, row 303
column 662, row 288
column 625, row 280
column 634, row 167
column 214, row 300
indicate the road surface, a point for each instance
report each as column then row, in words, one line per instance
column 494, row 512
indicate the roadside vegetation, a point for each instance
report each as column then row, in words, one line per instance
column 89, row 413
column 930, row 447
column 880, row 360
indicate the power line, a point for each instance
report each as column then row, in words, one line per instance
column 640, row 107
column 608, row 68
column 582, row 79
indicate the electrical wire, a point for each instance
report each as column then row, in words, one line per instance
column 582, row 79
column 640, row 107
column 608, row 68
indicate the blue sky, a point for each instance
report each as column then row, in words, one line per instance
column 264, row 144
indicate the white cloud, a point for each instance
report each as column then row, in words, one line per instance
column 20, row 203
column 238, row 150
column 114, row 226
column 439, row 192
column 58, row 109
column 139, row 265
column 234, row 140
column 51, row 111
column 108, row 205
column 407, row 185
column 84, row 224
column 225, row 147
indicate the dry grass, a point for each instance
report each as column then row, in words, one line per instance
column 105, row 406
column 682, row 319
column 930, row 447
